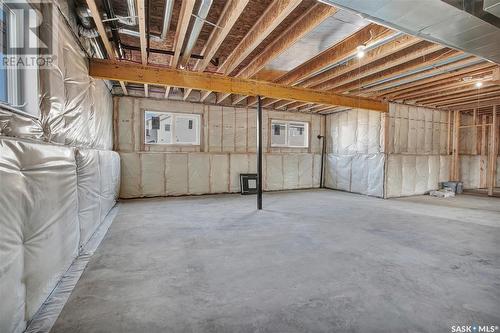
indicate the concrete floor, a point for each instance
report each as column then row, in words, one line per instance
column 312, row 261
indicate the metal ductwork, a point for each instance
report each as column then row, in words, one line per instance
column 87, row 30
column 433, row 20
column 131, row 19
column 200, row 19
column 167, row 16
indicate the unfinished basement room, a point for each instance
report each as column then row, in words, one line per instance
column 249, row 166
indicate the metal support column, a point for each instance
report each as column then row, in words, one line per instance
column 259, row 153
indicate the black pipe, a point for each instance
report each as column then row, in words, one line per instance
column 323, row 152
column 259, row 153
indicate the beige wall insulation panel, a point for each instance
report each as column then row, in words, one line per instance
column 130, row 175
column 444, row 168
column 109, row 168
column 124, row 123
column 89, row 203
column 359, row 174
column 290, row 171
column 252, row 131
column 238, row 164
column 315, row 144
column 274, row 172
column 420, row 149
column 176, row 173
column 362, row 131
column 421, row 174
column 305, row 171
column 433, row 178
column 240, row 139
column 331, row 168
column 376, row 172
column 317, row 170
column 153, row 174
column 228, row 129
column 409, row 174
column 219, row 173
column 394, row 176
column 412, row 130
column 51, row 232
column 199, row 173
column 215, row 128
column 374, row 132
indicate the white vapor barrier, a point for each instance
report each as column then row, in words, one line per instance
column 360, row 173
column 355, row 162
column 39, row 224
column 408, row 175
column 48, row 313
column 98, row 173
column 354, row 131
column 470, row 171
column 417, row 130
column 150, row 174
column 75, row 109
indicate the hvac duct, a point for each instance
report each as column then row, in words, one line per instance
column 131, row 19
column 435, row 17
column 195, row 31
column 167, row 15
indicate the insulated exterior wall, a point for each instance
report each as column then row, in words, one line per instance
column 75, row 109
column 355, row 160
column 417, row 157
column 39, row 223
column 53, row 196
column 228, row 148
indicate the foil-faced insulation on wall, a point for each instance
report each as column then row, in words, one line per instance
column 75, row 109
column 355, row 159
column 51, row 202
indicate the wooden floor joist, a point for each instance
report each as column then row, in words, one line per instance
column 154, row 75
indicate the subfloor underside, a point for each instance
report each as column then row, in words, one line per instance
column 311, row 261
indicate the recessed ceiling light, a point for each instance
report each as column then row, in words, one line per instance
column 361, row 51
column 479, row 84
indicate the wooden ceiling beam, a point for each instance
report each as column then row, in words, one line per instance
column 472, row 105
column 357, row 86
column 438, row 88
column 155, row 75
column 336, row 53
column 415, row 57
column 381, row 52
column 104, row 37
column 303, row 25
column 418, row 80
column 275, row 13
column 477, row 98
column 180, row 34
column 230, row 14
column 457, row 92
column 141, row 13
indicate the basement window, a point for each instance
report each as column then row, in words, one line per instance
column 168, row 128
column 289, row 134
column 18, row 81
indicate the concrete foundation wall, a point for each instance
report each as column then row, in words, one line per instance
column 227, row 148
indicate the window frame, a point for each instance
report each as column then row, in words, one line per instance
column 18, row 90
column 287, row 136
column 174, row 115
